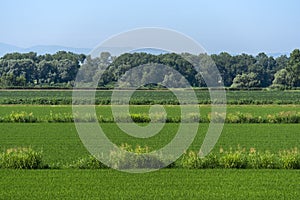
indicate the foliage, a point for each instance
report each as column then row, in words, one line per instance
column 146, row 97
column 89, row 162
column 247, row 80
column 30, row 70
column 134, row 158
column 242, row 159
column 290, row 159
column 22, row 116
column 59, row 70
column 236, row 117
column 62, row 146
column 163, row 184
column 21, row 158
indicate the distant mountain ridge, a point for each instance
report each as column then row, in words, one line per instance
column 40, row 49
column 51, row 49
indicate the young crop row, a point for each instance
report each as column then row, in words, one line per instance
column 27, row 158
column 150, row 97
column 139, row 101
column 237, row 117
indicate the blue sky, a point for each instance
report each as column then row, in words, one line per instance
column 234, row 26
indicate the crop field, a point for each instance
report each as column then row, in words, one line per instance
column 61, row 146
column 44, row 111
column 60, row 142
column 163, row 184
column 63, row 97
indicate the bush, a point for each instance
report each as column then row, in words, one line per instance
column 268, row 160
column 191, row 160
column 88, row 163
column 234, row 159
column 21, row 158
column 137, row 158
column 290, row 159
column 242, row 159
column 20, row 117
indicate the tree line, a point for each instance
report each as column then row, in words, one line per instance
column 29, row 70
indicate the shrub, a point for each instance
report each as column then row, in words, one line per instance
column 60, row 117
column 268, row 160
column 233, row 159
column 190, row 160
column 21, row 158
column 290, row 159
column 20, row 117
column 128, row 158
column 89, row 162
column 218, row 117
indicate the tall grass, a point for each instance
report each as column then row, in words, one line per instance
column 237, row 117
column 241, row 158
column 21, row 158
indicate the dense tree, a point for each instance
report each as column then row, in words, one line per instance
column 29, row 69
column 245, row 81
column 293, row 68
column 61, row 69
column 282, row 79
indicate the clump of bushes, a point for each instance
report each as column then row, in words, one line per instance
column 21, row 158
column 242, row 159
column 139, row 158
column 134, row 158
column 237, row 117
column 124, row 157
column 19, row 117
column 290, row 159
column 89, row 162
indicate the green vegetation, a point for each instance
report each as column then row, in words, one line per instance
column 237, row 117
column 73, row 173
column 163, row 184
column 61, row 144
column 262, row 124
column 147, row 97
column 59, row 70
column 242, row 159
column 21, row 158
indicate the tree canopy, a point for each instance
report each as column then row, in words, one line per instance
column 60, row 69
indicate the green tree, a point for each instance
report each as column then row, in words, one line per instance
column 282, row 79
column 246, row 81
column 293, row 68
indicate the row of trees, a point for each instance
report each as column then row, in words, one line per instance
column 240, row 71
column 29, row 69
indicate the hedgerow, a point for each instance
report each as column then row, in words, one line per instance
column 237, row 117
column 139, row 158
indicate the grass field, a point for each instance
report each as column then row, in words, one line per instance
column 57, row 97
column 172, row 110
column 61, row 145
column 163, row 184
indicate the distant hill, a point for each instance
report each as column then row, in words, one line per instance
column 6, row 48
column 150, row 51
column 51, row 49
column 40, row 49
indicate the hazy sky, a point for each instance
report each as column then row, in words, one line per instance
column 234, row 26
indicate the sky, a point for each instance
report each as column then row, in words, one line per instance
column 234, row 26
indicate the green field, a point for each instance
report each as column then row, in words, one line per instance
column 63, row 97
column 163, row 184
column 61, row 146
column 172, row 110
